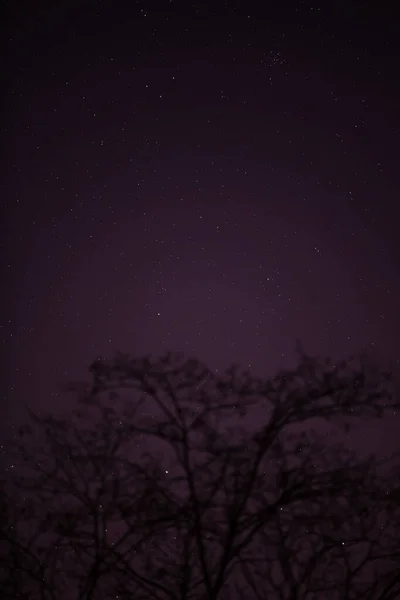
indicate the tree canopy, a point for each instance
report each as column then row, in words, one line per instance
column 169, row 481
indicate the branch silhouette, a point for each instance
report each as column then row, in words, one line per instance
column 158, row 485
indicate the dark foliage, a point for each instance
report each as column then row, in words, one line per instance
column 155, row 487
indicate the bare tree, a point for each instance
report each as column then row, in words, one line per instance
column 159, row 485
column 341, row 546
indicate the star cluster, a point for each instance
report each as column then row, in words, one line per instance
column 218, row 180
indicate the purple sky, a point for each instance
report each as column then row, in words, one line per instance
column 217, row 183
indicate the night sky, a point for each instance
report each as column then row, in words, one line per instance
column 211, row 177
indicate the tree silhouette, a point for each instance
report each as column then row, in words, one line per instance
column 158, row 485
